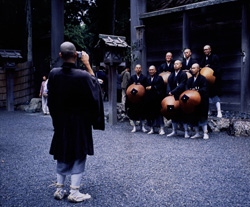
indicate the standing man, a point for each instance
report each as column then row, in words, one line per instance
column 75, row 104
column 125, row 77
column 199, row 118
column 187, row 61
column 136, row 110
column 168, row 65
column 153, row 98
column 175, row 86
column 212, row 61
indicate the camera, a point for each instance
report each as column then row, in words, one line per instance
column 79, row 55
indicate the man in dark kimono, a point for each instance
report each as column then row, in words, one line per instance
column 135, row 111
column 212, row 61
column 187, row 61
column 175, row 87
column 168, row 65
column 153, row 98
column 125, row 76
column 199, row 117
column 75, row 104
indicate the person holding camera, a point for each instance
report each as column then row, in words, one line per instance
column 75, row 104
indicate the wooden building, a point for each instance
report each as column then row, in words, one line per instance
column 38, row 43
column 223, row 24
column 23, row 85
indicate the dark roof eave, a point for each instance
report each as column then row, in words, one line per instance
column 183, row 8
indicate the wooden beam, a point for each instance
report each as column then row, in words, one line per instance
column 183, row 8
column 245, row 63
column 112, row 87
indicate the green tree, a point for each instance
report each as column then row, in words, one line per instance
column 84, row 21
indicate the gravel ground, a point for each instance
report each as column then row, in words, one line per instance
column 132, row 170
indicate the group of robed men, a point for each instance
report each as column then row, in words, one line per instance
column 150, row 107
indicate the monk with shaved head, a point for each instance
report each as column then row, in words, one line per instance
column 211, row 60
column 187, row 61
column 199, row 117
column 75, row 104
column 168, row 66
column 175, row 86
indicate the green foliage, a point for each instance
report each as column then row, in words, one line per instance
column 75, row 34
column 97, row 18
column 75, row 27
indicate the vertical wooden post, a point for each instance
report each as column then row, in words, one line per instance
column 112, row 83
column 113, row 18
column 185, row 31
column 136, row 8
column 57, row 30
column 10, row 89
column 29, row 29
column 245, row 63
column 141, row 48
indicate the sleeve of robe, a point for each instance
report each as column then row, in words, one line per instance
column 182, row 84
column 95, row 105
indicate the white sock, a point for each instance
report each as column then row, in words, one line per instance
column 218, row 107
column 204, row 128
column 60, row 179
column 134, row 122
column 75, row 184
column 76, row 180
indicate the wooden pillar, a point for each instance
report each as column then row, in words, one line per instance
column 137, row 7
column 245, row 63
column 141, row 48
column 112, row 84
column 10, row 89
column 185, row 31
column 57, row 30
column 29, row 31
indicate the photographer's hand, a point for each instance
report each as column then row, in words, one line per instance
column 85, row 61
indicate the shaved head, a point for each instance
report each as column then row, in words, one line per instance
column 68, row 50
column 177, row 65
column 196, row 65
column 207, row 50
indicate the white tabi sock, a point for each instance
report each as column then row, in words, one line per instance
column 60, row 180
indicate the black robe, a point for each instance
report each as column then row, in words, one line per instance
column 201, row 111
column 165, row 67
column 187, row 66
column 176, row 85
column 75, row 104
column 153, row 97
column 135, row 111
column 213, row 63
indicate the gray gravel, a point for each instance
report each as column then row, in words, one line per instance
column 127, row 169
